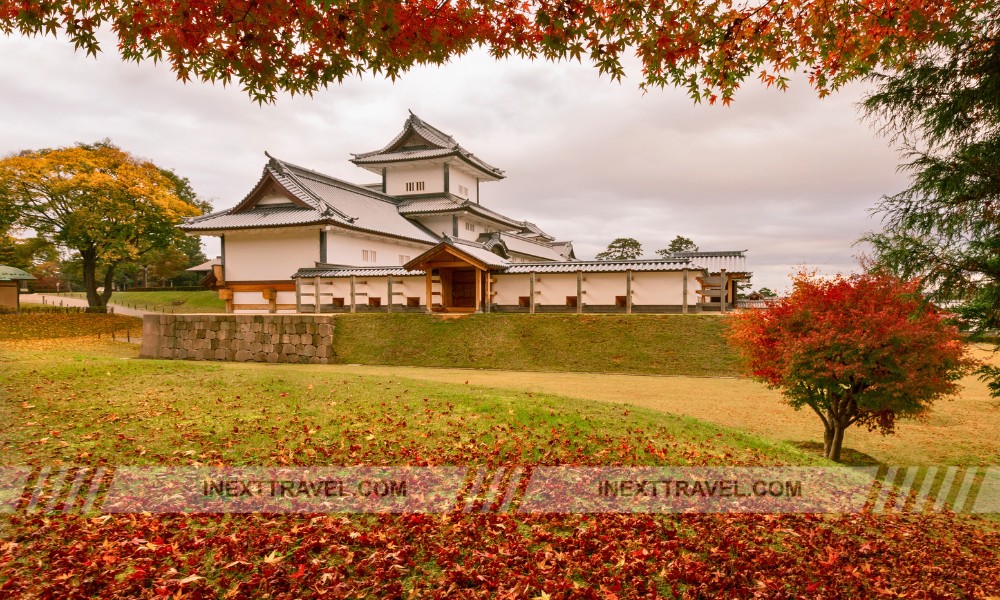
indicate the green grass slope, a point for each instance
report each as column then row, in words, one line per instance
column 647, row 344
column 179, row 301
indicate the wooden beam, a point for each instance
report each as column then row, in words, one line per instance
column 316, row 284
column 489, row 291
column 628, row 292
column 388, row 307
column 430, row 301
column 354, row 306
column 479, row 288
column 725, row 290
column 458, row 264
column 260, row 286
column 684, row 293
column 579, row 292
column 298, row 294
column 531, row 292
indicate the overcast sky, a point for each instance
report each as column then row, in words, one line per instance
column 785, row 175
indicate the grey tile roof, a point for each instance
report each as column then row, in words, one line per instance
column 448, row 203
column 600, row 266
column 331, row 201
column 520, row 245
column 442, row 145
column 261, row 216
column 528, row 227
column 8, row 273
column 477, row 251
column 207, row 265
column 733, row 261
column 335, row 271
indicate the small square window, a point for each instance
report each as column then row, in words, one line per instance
column 470, row 226
column 374, row 302
column 524, row 301
column 571, row 301
column 403, row 259
column 620, row 301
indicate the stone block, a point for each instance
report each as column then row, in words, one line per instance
column 272, row 357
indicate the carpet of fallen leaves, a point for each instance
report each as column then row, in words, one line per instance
column 55, row 325
column 506, row 555
column 454, row 555
column 503, row 556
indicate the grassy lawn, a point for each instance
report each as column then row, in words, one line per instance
column 653, row 344
column 83, row 401
column 179, row 302
column 958, row 431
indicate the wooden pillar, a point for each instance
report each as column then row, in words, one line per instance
column 354, row 306
column 684, row 293
column 479, row 289
column 388, row 307
column 298, row 294
column 489, row 291
column 430, row 289
column 628, row 292
column 724, row 290
column 316, row 284
column 579, row 292
column 531, row 291
column 272, row 300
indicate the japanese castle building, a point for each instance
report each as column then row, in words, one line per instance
column 421, row 240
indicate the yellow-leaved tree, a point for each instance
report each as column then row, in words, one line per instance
column 98, row 200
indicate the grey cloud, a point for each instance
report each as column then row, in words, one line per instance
column 786, row 175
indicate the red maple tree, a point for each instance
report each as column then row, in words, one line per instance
column 863, row 349
column 709, row 48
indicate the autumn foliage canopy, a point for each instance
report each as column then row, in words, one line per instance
column 863, row 349
column 707, row 47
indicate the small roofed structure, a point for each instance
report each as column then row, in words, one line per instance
column 10, row 284
column 725, row 269
column 211, row 270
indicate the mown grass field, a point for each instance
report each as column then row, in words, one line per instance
column 651, row 344
column 83, row 401
column 958, row 431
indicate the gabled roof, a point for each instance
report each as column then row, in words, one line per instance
column 530, row 229
column 475, row 254
column 207, row 265
column 733, row 261
column 318, row 199
column 13, row 274
column 448, row 203
column 417, row 141
column 522, row 245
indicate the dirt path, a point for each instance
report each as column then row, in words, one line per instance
column 68, row 301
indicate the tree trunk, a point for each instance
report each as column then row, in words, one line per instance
column 827, row 440
column 109, row 281
column 89, row 258
column 836, row 442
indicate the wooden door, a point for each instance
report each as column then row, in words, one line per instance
column 463, row 288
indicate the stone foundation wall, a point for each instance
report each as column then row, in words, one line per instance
column 257, row 338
